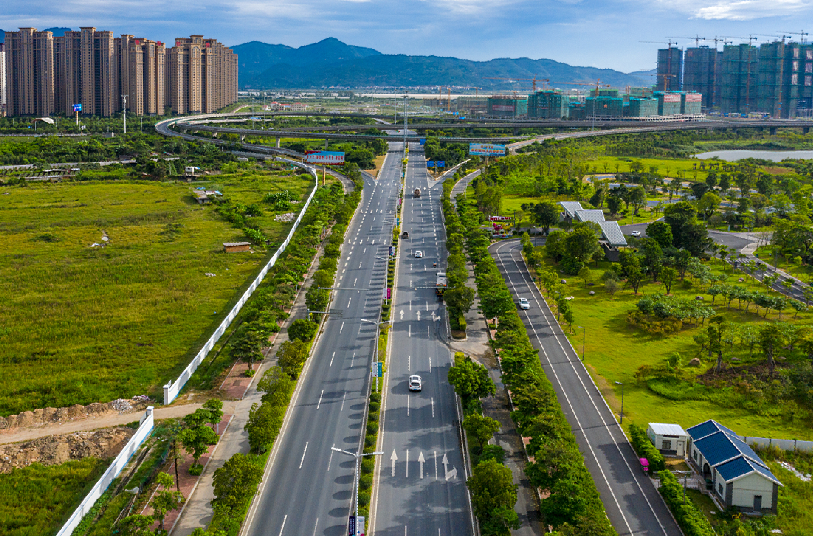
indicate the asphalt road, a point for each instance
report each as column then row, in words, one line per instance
column 420, row 483
column 632, row 503
column 307, row 488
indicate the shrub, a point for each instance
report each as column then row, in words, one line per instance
column 195, row 469
column 304, row 330
column 691, row 520
column 645, row 449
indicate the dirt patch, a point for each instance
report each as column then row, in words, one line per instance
column 49, row 416
column 604, row 387
column 777, row 170
column 730, row 373
column 54, row 450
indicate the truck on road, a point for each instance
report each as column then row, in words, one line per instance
column 417, row 193
column 440, row 284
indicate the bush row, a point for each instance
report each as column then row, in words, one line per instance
column 691, row 520
column 237, row 481
column 559, row 467
column 645, row 449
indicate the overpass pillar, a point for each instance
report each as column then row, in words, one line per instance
column 277, row 143
column 772, row 130
column 325, row 145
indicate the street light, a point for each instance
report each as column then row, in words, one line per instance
column 357, row 456
column 377, row 336
column 622, row 401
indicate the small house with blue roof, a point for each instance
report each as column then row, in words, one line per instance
column 738, row 475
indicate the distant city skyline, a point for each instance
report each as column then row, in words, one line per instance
column 604, row 34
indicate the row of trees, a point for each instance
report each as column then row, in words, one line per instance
column 572, row 504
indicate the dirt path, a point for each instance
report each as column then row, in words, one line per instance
column 106, row 421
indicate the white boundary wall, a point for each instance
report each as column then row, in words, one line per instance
column 172, row 389
column 143, row 432
column 781, row 444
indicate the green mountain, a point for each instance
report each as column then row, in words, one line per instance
column 331, row 63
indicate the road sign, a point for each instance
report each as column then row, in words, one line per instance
column 352, row 526
column 391, row 252
column 77, row 107
column 389, row 293
column 361, row 526
column 430, row 163
column 380, row 369
column 375, row 371
column 422, row 141
column 486, row 149
column 441, row 163
column 325, row 157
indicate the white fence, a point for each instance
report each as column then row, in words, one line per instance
column 172, row 389
column 143, row 432
column 781, row 444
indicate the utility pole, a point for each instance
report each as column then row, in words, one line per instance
column 124, row 110
column 357, row 455
column 405, row 122
column 622, row 401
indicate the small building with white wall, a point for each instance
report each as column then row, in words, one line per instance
column 669, row 439
column 738, row 475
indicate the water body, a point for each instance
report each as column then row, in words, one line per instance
column 740, row 154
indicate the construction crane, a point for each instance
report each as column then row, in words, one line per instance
column 696, row 38
column 668, row 58
column 532, row 80
column 801, row 35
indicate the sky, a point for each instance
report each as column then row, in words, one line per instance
column 597, row 33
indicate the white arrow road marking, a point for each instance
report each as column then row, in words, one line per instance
column 359, row 265
column 331, row 359
column 303, row 455
column 421, row 461
column 419, row 316
column 320, row 399
column 410, row 305
column 451, row 474
column 407, row 463
column 401, row 314
column 284, row 519
column 394, row 458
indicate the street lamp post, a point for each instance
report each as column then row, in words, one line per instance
column 622, row 401
column 377, row 337
column 357, row 456
column 584, row 338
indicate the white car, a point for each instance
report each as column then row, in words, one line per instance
column 414, row 383
column 524, row 304
column 418, row 254
column 635, row 233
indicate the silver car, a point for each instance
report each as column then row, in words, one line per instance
column 414, row 383
column 524, row 304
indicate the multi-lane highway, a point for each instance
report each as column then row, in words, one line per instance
column 420, row 482
column 307, row 488
column 632, row 503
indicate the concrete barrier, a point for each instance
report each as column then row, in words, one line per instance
column 172, row 389
column 143, row 432
column 781, row 444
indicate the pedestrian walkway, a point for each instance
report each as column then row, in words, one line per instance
column 476, row 345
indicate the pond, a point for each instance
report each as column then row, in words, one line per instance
column 740, row 154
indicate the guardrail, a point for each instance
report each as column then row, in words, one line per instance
column 143, row 432
column 172, row 389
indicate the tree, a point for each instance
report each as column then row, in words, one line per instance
column 316, row 299
column 214, row 409
column 637, row 198
column 611, row 286
column 137, row 525
column 248, row 346
column 661, row 232
column 668, row 277
column 544, row 214
column 469, row 379
column 582, row 244
column 302, row 329
column 262, row 427
column 291, row 356
column 614, row 204
column 165, row 500
column 493, row 496
column 770, row 340
column 585, row 275
column 459, row 299
column 277, row 386
column 652, row 256
column 709, row 203
column 197, row 437
column 496, row 301
column 481, row 428
column 634, row 278
column 687, row 232
column 236, row 482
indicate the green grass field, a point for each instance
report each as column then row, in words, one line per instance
column 605, row 320
column 36, row 500
column 81, row 324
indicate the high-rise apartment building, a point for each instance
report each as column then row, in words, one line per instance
column 2, row 79
column 738, row 79
column 94, row 69
column 29, row 72
column 785, row 79
column 670, row 69
column 201, row 75
column 701, row 74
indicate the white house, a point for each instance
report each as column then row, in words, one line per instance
column 669, row 439
column 739, row 477
column 610, row 231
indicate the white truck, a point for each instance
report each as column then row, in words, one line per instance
column 440, row 283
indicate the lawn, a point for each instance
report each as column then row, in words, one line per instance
column 82, row 324
column 37, row 500
column 666, row 167
column 604, row 318
column 803, row 272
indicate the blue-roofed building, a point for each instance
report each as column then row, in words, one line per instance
column 738, row 475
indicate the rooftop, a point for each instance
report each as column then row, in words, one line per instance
column 667, row 429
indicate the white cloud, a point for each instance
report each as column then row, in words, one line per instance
column 737, row 10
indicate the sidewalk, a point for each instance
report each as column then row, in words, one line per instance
column 198, row 510
column 476, row 345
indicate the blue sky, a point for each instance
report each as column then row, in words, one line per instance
column 580, row 32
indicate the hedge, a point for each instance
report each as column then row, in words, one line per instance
column 645, row 449
column 691, row 520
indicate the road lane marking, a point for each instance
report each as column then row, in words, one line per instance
column 283, row 524
column 407, row 469
column 359, row 265
column 409, row 331
column 320, row 399
column 432, row 401
column 331, row 359
column 317, row 523
column 344, row 397
column 301, row 461
column 435, row 455
column 407, row 405
column 409, row 363
column 430, row 365
column 419, row 316
column 394, row 458
column 330, row 459
column 410, row 305
column 341, row 327
column 353, row 360
column 348, row 301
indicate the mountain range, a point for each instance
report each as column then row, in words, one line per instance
column 332, row 63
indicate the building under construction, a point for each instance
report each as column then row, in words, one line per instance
column 670, row 69
column 738, row 79
column 507, row 106
column 548, row 104
column 701, row 74
column 784, row 82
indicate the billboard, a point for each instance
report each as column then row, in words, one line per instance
column 325, row 157
column 503, row 107
column 694, row 97
column 430, row 163
column 486, row 149
column 671, row 97
column 440, row 163
column 77, row 107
